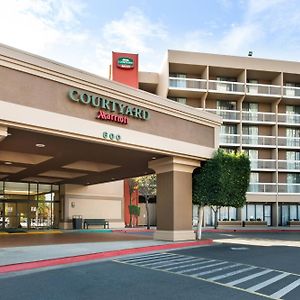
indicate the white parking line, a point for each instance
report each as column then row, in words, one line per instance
column 190, row 265
column 202, row 267
column 230, row 274
column 176, row 259
column 215, row 270
column 267, row 282
column 235, row 282
column 148, row 257
column 286, row 289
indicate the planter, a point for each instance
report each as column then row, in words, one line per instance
column 255, row 223
column 230, row 223
column 293, row 223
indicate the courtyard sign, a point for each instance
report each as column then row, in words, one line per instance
column 125, row 63
column 111, row 110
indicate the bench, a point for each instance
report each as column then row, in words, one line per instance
column 293, row 223
column 88, row 222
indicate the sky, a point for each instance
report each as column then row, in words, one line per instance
column 83, row 33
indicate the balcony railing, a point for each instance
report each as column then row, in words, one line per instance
column 263, row 89
column 188, row 83
column 288, row 141
column 289, row 165
column 289, row 188
column 229, row 139
column 258, row 117
column 258, row 140
column 290, row 91
column 289, row 118
column 227, row 115
column 263, row 164
column 226, row 86
column 262, row 188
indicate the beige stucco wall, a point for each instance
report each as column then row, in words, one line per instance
column 99, row 201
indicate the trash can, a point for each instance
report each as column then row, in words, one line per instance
column 77, row 222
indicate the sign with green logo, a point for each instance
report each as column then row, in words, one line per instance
column 125, row 63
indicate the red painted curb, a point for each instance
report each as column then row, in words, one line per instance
column 250, row 230
column 94, row 256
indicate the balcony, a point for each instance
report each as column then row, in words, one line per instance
column 258, row 140
column 263, row 89
column 291, row 92
column 262, row 188
column 226, row 87
column 227, row 115
column 263, row 164
column 289, row 142
column 187, row 83
column 293, row 119
column 229, row 139
column 289, row 165
column 258, row 117
column 293, row 188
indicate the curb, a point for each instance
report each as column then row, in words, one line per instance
column 96, row 256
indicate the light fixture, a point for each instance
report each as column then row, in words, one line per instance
column 8, row 163
column 250, row 53
column 40, row 145
column 72, row 204
column 153, row 157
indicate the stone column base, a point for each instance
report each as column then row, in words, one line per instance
column 177, row 235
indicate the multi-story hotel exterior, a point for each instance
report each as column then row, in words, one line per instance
column 259, row 101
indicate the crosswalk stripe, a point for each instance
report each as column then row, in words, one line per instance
column 267, row 282
column 190, row 265
column 215, row 270
column 231, row 274
column 144, row 256
column 161, row 259
column 202, row 267
column 286, row 289
column 141, row 259
column 172, row 263
column 243, row 279
column 176, row 259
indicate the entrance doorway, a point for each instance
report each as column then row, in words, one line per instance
column 28, row 206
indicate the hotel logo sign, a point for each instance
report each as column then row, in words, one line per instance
column 109, row 109
column 125, row 63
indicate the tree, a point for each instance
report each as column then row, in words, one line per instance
column 222, row 181
column 147, row 189
column 133, row 185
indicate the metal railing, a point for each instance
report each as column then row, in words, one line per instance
column 229, row 139
column 258, row 140
column 188, row 83
column 226, row 86
column 288, row 141
column 227, row 115
column 258, row 117
column 289, row 118
column 263, row 89
column 263, row 164
column 262, row 188
column 290, row 91
column 289, row 188
column 289, row 165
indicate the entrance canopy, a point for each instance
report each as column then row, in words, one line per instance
column 62, row 125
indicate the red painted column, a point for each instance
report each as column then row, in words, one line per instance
column 125, row 69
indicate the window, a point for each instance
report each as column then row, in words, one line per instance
column 227, row 87
column 178, row 99
column 293, row 182
column 253, row 156
column 226, row 105
column 293, row 160
column 180, row 82
column 251, row 111
column 293, row 137
column 250, row 135
column 228, row 129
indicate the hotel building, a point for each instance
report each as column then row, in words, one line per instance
column 259, row 101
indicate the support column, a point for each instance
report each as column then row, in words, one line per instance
column 174, row 198
column 3, row 133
